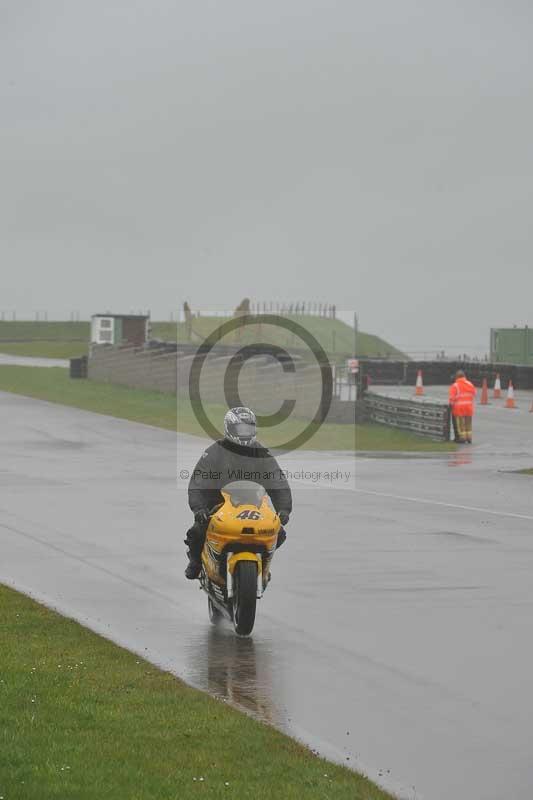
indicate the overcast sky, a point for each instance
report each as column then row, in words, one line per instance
column 373, row 155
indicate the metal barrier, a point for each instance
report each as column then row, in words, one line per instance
column 426, row 419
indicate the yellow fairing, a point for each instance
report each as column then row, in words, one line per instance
column 230, row 520
column 226, row 529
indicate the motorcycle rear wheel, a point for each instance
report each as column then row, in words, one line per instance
column 245, row 597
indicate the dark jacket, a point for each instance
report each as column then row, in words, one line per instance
column 224, row 462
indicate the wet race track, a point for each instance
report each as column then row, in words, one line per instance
column 396, row 634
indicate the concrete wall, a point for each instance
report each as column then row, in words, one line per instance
column 439, row 373
column 259, row 381
column 135, row 367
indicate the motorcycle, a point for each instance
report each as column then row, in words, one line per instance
column 240, row 542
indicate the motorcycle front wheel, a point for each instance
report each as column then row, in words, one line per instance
column 245, row 597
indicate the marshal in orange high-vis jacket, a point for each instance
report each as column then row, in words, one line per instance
column 461, row 396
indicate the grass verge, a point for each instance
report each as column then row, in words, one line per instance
column 162, row 410
column 525, row 471
column 82, row 718
column 44, row 349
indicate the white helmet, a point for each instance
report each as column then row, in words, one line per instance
column 240, row 426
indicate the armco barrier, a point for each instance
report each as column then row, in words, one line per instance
column 426, row 419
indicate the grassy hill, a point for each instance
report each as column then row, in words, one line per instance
column 44, row 331
column 334, row 335
column 69, row 339
column 44, row 339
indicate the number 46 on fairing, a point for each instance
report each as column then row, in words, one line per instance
column 248, row 514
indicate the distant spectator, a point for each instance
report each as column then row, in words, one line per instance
column 188, row 320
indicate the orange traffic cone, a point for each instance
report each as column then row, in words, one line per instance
column 497, row 387
column 484, row 394
column 419, row 384
column 510, row 403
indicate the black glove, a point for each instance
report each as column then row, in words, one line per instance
column 283, row 517
column 282, row 536
column 202, row 516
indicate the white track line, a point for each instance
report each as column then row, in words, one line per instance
column 445, row 505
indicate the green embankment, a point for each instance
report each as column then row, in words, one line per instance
column 70, row 339
column 334, row 335
column 45, row 349
column 45, row 339
column 46, row 331
column 82, row 718
column 165, row 411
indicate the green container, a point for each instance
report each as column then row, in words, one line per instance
column 512, row 345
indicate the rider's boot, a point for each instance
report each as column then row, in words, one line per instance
column 195, row 543
column 193, row 569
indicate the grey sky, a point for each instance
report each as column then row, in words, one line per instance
column 376, row 155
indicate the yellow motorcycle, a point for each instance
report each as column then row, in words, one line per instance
column 240, row 542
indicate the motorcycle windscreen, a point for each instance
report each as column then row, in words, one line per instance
column 245, row 493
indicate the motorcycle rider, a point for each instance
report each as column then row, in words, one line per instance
column 238, row 456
